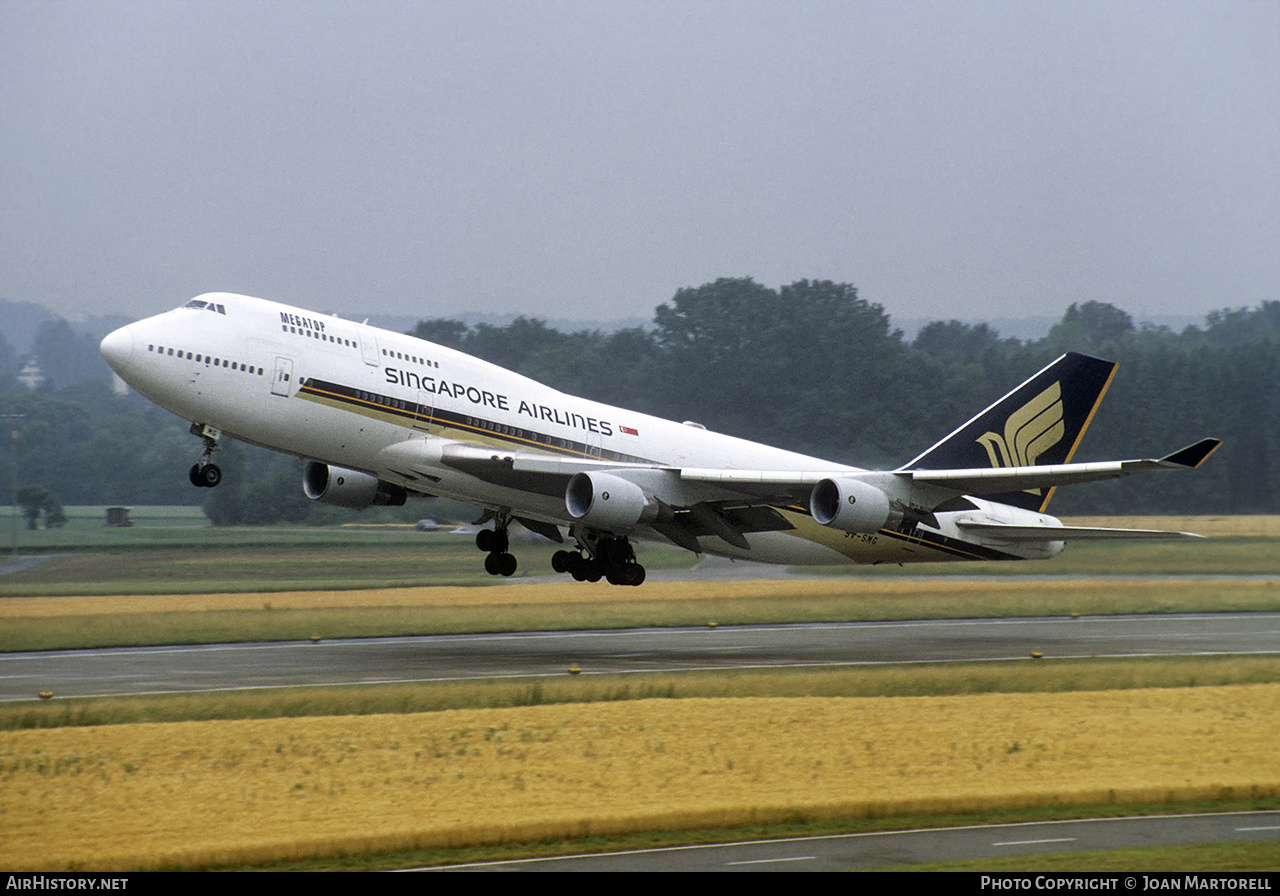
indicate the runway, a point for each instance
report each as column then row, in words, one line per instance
column 848, row 852
column 227, row 667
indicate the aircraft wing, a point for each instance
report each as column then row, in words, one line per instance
column 548, row 474
column 997, row 480
column 975, row 481
column 731, row 503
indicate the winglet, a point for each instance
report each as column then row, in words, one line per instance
column 1193, row 455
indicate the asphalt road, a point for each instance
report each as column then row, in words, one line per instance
column 220, row 667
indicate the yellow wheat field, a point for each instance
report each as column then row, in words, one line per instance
column 532, row 595
column 518, row 593
column 141, row 796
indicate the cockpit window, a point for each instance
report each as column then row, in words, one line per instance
column 207, row 306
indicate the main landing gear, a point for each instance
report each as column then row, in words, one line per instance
column 599, row 556
column 203, row 473
column 606, row 557
column 495, row 542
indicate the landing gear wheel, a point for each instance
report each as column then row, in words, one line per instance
column 631, row 574
column 206, row 476
column 500, row 564
column 506, row 564
column 493, row 541
column 560, row 561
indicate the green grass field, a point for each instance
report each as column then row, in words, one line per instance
column 173, row 550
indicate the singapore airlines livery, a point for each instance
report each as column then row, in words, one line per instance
column 378, row 416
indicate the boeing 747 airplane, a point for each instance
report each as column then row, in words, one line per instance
column 378, row 416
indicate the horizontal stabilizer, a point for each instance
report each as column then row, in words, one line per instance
column 1064, row 533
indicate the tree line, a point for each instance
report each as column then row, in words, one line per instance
column 814, row 367
column 810, row 366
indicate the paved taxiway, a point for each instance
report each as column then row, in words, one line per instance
column 533, row 654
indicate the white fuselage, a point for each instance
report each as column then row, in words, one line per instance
column 389, row 404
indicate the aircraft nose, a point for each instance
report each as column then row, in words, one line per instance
column 117, row 347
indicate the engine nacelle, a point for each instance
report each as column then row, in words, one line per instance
column 348, row 488
column 608, row 502
column 852, row 505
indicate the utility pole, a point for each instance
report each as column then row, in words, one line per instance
column 14, row 418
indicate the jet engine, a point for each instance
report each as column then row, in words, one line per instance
column 609, row 502
column 348, row 488
column 852, row 505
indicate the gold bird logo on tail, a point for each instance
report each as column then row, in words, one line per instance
column 1029, row 432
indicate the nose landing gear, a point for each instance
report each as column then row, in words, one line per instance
column 204, row 474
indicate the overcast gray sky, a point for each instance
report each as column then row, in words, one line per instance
column 587, row 159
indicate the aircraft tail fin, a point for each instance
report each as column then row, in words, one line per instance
column 1040, row 422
